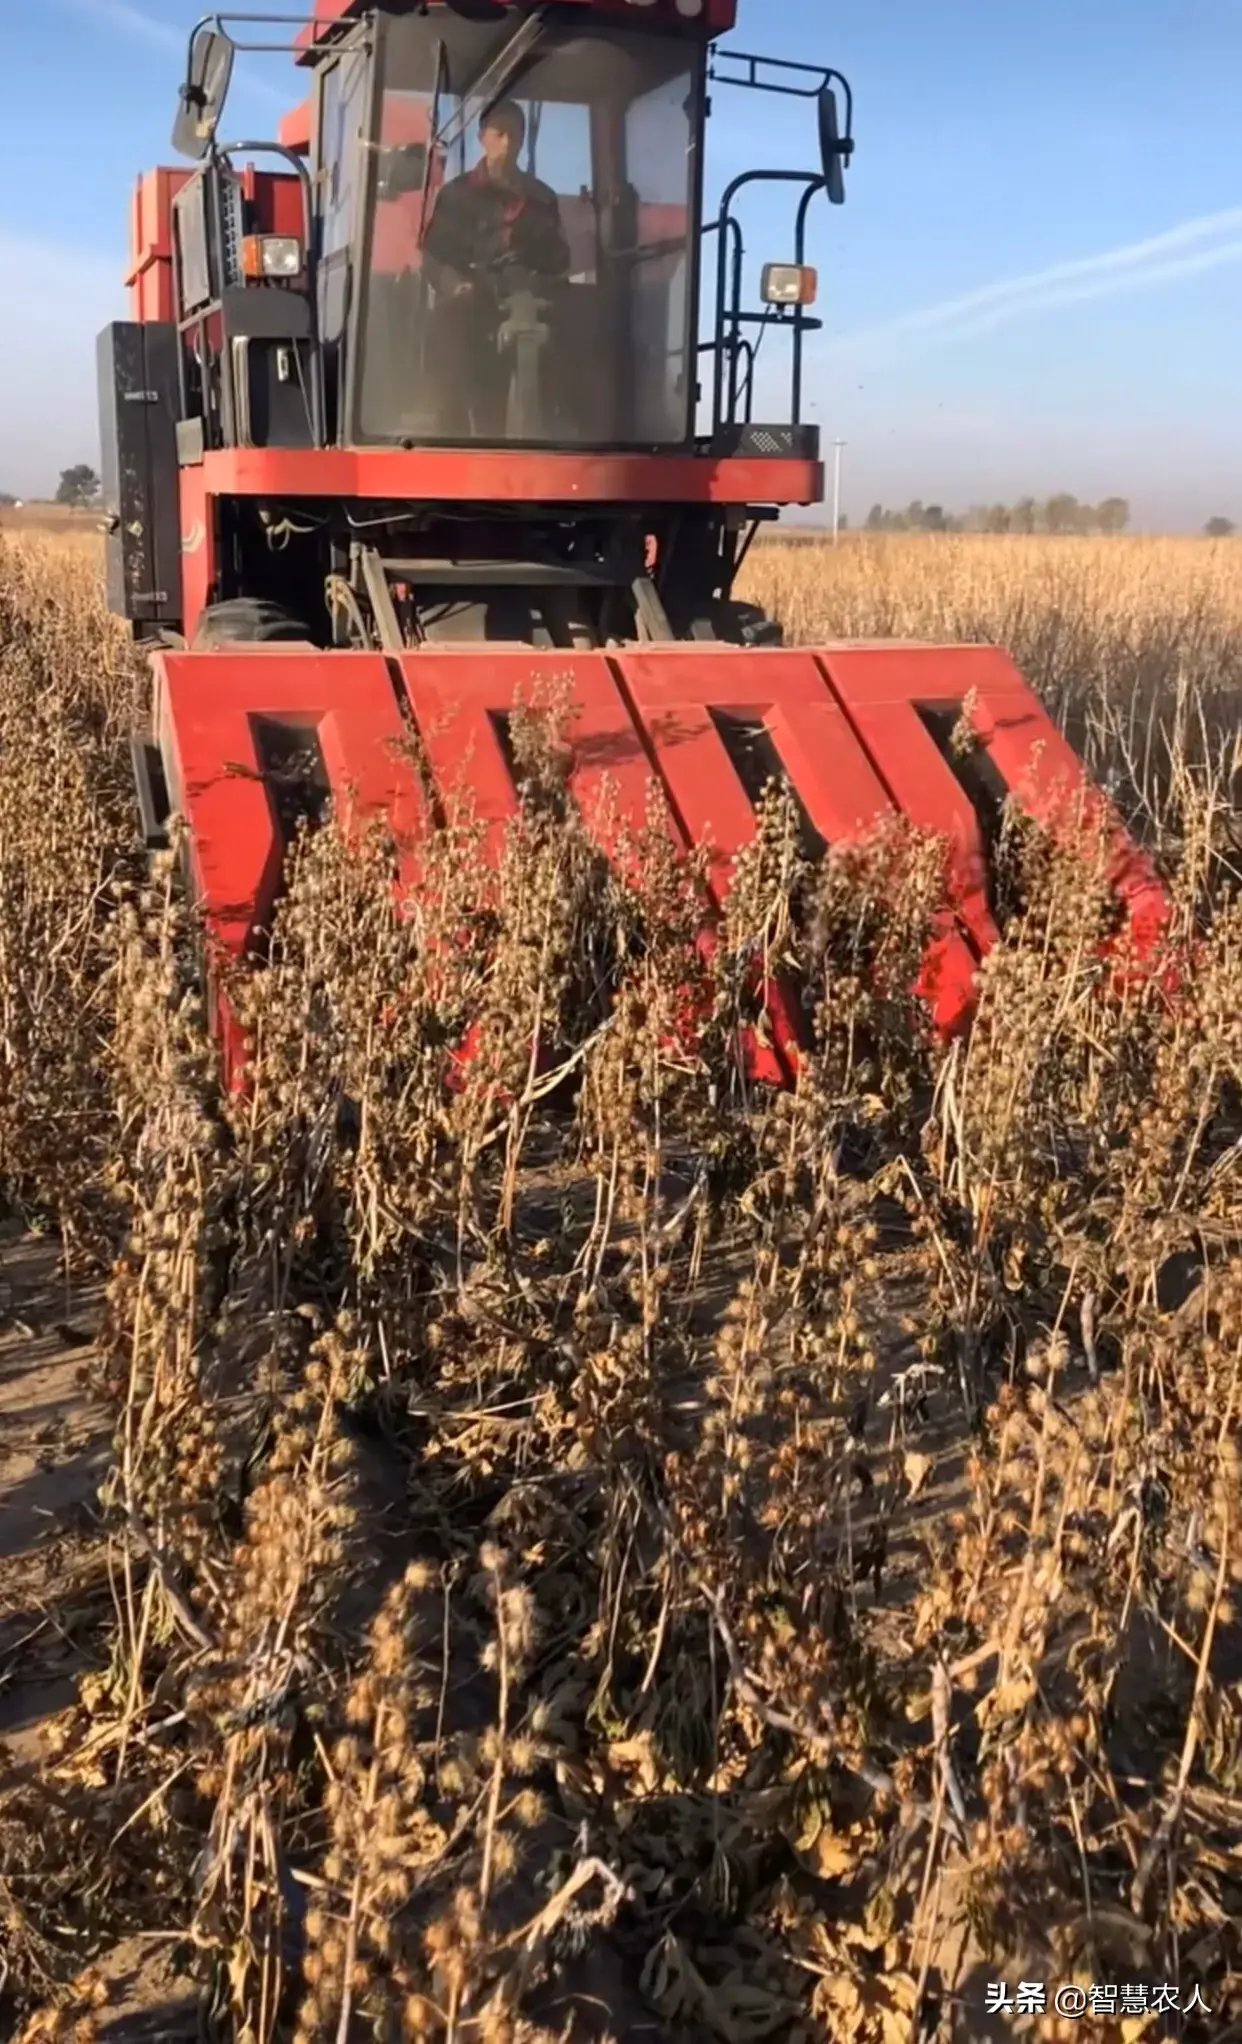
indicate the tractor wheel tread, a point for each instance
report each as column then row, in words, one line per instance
column 247, row 620
column 732, row 623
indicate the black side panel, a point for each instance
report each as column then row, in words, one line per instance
column 273, row 381
column 769, row 443
column 262, row 312
column 139, row 404
column 267, row 332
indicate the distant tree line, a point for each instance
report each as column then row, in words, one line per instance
column 1061, row 513
column 79, row 486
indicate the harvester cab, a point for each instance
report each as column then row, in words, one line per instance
column 454, row 387
column 482, row 234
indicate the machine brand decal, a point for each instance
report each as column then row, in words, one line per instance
column 193, row 540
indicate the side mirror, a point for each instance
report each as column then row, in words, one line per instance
column 834, row 151
column 203, row 95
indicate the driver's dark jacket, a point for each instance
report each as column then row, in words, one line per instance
column 481, row 222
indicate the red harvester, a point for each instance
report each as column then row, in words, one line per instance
column 369, row 473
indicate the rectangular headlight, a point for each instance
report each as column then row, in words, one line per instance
column 790, row 284
column 271, row 255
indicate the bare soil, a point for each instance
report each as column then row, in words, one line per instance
column 53, row 1456
column 55, row 1592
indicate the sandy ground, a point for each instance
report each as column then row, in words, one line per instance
column 56, row 1604
column 54, row 1587
column 53, row 1456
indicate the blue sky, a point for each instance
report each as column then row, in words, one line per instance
column 1037, row 283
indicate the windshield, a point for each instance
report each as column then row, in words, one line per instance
column 528, row 267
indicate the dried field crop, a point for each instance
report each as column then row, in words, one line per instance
column 1135, row 644
column 602, row 1551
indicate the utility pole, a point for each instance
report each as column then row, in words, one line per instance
column 837, row 445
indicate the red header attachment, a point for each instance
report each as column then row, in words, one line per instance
column 905, row 701
column 858, row 734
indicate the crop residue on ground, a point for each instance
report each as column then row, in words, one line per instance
column 603, row 1549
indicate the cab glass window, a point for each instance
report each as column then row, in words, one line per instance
column 528, row 260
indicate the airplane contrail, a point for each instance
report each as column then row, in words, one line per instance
column 140, row 26
column 133, row 22
column 1087, row 290
column 1158, row 259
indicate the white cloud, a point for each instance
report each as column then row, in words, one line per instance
column 55, row 302
column 1157, row 260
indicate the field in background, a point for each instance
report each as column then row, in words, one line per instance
column 1135, row 644
column 54, row 520
column 663, row 1561
column 956, row 586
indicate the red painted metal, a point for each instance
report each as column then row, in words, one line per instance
column 199, row 548
column 208, row 704
column 206, row 707
column 297, row 128
column 459, row 702
column 718, row 16
column 675, row 692
column 149, row 279
column 844, row 722
column 275, row 202
column 883, row 690
column 464, row 475
column 473, row 475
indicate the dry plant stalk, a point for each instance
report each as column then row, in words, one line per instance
column 587, row 1528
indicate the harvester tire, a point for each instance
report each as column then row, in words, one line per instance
column 247, row 621
column 732, row 623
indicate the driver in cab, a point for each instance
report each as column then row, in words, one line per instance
column 495, row 220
